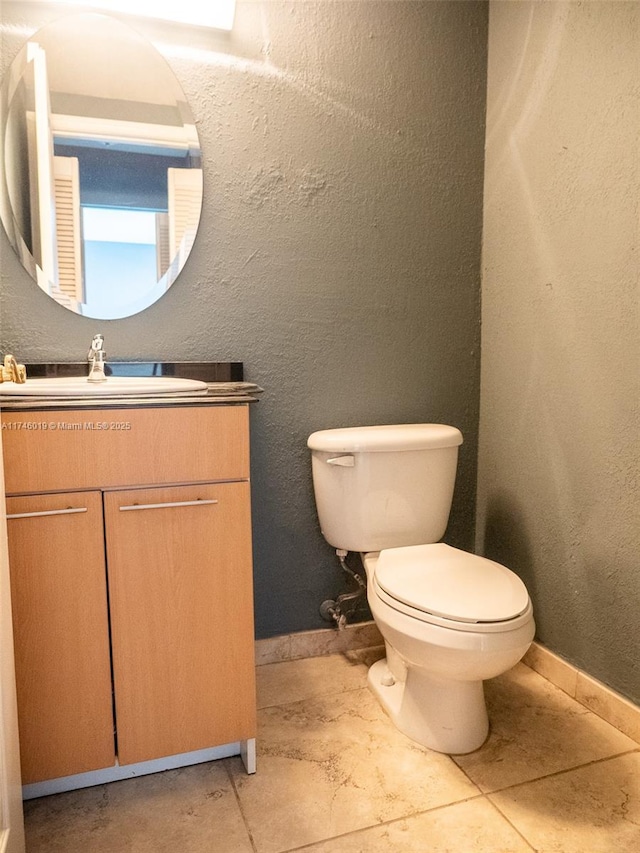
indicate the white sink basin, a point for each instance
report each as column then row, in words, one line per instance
column 114, row 386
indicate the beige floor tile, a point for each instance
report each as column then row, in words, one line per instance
column 594, row 809
column 471, row 827
column 292, row 681
column 191, row 810
column 335, row 764
column 536, row 729
column 334, row 773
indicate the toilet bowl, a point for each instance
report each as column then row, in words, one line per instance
column 449, row 619
column 441, row 644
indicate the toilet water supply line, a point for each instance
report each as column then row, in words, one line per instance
column 335, row 611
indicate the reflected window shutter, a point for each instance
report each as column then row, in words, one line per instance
column 66, row 176
column 163, row 255
column 185, row 194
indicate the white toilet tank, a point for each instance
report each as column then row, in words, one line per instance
column 382, row 487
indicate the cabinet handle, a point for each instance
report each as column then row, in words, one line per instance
column 165, row 505
column 69, row 511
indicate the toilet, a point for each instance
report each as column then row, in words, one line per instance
column 449, row 619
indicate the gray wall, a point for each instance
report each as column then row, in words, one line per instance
column 338, row 255
column 560, row 437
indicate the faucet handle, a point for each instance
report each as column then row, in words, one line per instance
column 96, row 358
column 97, row 346
column 11, row 371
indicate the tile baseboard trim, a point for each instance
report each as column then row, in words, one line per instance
column 323, row 641
column 615, row 709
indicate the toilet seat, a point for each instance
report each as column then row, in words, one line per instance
column 445, row 586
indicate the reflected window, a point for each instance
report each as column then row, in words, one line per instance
column 120, row 255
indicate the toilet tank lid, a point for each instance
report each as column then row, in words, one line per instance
column 388, row 437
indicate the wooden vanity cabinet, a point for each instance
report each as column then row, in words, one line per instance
column 167, row 543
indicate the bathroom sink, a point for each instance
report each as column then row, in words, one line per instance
column 113, row 386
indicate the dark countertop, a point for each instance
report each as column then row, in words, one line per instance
column 224, row 380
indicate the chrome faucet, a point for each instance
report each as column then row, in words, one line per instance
column 96, row 358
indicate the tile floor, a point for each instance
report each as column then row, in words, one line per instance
column 334, row 776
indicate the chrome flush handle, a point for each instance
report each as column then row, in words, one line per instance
column 347, row 461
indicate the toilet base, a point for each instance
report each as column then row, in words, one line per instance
column 441, row 714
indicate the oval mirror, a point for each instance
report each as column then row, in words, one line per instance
column 101, row 188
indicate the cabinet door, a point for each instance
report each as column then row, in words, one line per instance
column 180, row 585
column 61, row 631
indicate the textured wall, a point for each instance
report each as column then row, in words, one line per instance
column 560, row 426
column 338, row 254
